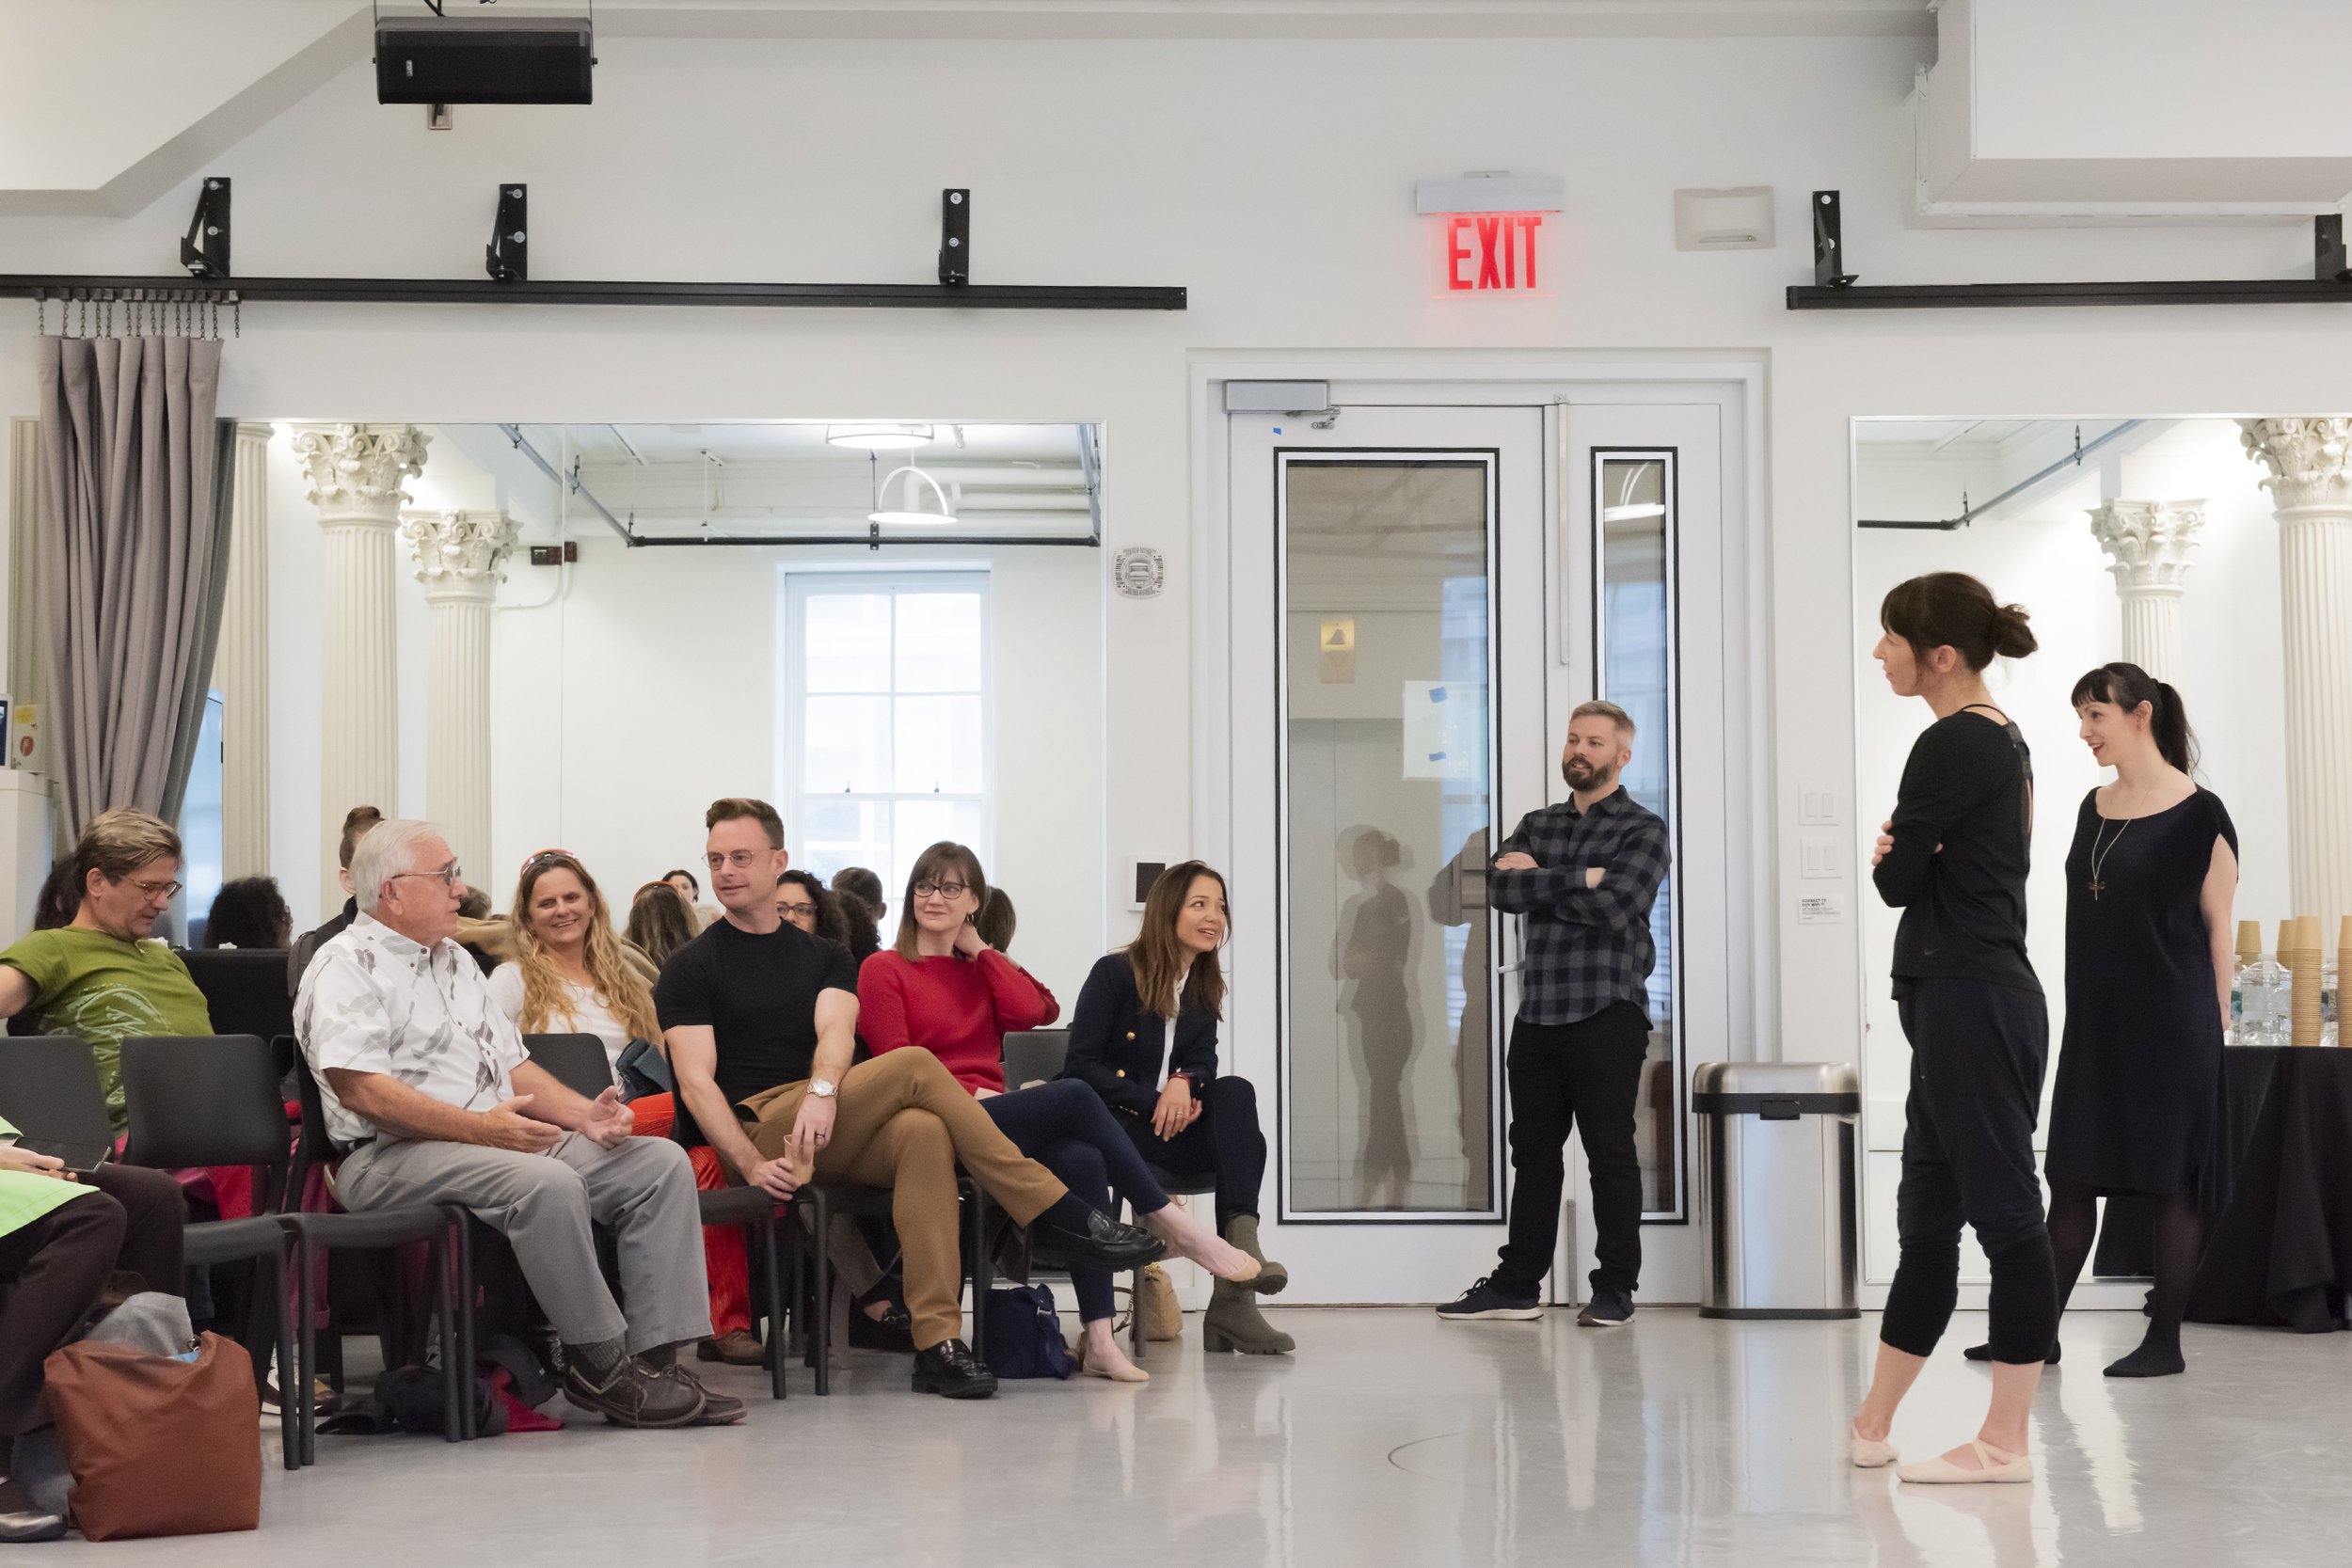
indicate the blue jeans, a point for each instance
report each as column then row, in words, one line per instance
column 1065, row 1126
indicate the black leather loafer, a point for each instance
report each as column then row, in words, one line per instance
column 1105, row 1243
column 950, row 1368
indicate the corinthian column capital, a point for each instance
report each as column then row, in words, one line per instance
column 2307, row 459
column 2148, row 543
column 459, row 553
column 356, row 469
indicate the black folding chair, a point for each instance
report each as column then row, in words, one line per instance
column 755, row 1211
column 1038, row 1057
column 49, row 1090
column 213, row 1100
column 244, row 989
column 442, row 1225
column 575, row 1061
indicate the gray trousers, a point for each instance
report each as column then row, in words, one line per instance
column 542, row 1204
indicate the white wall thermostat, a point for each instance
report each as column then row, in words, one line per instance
column 1139, row 572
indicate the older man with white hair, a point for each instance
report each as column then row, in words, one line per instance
column 426, row 1080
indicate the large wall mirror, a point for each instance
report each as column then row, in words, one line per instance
column 2140, row 538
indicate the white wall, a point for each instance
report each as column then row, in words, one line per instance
column 1275, row 180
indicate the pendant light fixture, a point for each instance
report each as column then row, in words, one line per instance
column 879, row 437
column 910, row 514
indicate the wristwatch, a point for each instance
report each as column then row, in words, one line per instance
column 823, row 1089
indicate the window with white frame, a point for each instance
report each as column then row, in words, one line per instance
column 886, row 742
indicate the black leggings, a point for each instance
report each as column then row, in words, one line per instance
column 1977, row 1052
column 2179, row 1237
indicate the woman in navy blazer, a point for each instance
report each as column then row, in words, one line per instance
column 1144, row 1037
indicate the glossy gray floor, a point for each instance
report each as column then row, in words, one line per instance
column 1391, row 1438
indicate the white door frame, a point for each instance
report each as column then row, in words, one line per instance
column 1450, row 378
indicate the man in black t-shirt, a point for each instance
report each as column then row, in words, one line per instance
column 762, row 1018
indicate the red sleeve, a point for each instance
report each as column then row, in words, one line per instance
column 1019, row 1002
column 881, row 1003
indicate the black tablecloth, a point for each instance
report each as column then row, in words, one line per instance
column 2281, row 1252
column 2127, row 1224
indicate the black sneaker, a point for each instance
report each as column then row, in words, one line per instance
column 950, row 1368
column 1491, row 1298
column 1609, row 1308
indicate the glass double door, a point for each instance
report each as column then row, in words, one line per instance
column 1433, row 590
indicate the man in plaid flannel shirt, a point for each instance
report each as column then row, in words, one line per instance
column 1583, row 874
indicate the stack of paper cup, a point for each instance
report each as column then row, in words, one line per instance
column 2249, row 941
column 2298, row 949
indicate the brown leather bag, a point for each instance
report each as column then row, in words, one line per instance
column 158, row 1446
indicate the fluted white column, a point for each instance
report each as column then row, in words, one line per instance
column 356, row 472
column 241, row 667
column 459, row 555
column 2311, row 488
column 2148, row 545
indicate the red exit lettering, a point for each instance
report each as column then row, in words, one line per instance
column 1492, row 251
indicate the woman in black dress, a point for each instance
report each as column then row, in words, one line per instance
column 2149, row 964
column 1953, row 859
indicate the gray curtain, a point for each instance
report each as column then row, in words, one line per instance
column 134, row 540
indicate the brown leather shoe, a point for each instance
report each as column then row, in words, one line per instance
column 737, row 1349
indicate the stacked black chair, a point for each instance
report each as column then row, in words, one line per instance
column 441, row 1225
column 1038, row 1057
column 213, row 1100
column 244, row 989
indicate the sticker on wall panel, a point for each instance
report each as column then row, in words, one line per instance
column 1445, row 729
column 1336, row 648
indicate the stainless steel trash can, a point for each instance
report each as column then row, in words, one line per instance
column 1778, row 1146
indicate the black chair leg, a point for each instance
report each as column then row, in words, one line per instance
column 983, row 1269
column 820, row 1329
column 461, row 1250
column 772, row 1278
column 1134, row 1315
column 456, row 1380
column 296, row 1415
column 283, row 1339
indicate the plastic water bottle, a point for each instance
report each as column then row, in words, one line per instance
column 2258, row 1003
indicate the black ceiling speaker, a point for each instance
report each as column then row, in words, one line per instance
column 485, row 59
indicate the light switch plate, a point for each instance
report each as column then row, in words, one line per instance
column 1820, row 858
column 1818, row 806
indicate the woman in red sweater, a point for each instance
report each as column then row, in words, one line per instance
column 944, row 990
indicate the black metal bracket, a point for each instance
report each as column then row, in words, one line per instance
column 2328, row 261
column 205, row 251
column 508, row 257
column 2330, row 282
column 955, row 237
column 1829, row 244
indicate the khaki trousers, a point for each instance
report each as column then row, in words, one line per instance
column 904, row 1123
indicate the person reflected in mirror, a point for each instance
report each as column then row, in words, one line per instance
column 661, row 921
column 249, row 912
column 943, row 988
column 1585, row 874
column 2149, row 964
column 1144, row 1037
column 571, row 974
column 1954, row 857
column 1457, row 897
column 1373, row 965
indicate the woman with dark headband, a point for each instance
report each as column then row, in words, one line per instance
column 1953, row 858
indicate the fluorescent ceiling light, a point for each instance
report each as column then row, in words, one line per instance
column 878, row 437
column 910, row 516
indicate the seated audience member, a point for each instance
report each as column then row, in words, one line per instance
column 803, row 900
column 249, row 912
column 357, row 822
column 571, row 976
column 426, row 1082
column 105, row 977
column 867, row 887
column 1144, row 1037
column 660, row 922
column 857, row 915
column 692, row 891
column 996, row 919
column 60, row 896
column 762, row 1018
column 944, row 989
column 61, row 1237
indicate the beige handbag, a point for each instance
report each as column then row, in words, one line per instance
column 1155, row 1298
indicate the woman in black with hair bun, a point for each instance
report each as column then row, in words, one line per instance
column 2148, row 964
column 1953, row 858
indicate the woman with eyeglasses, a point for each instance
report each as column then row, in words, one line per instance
column 942, row 988
column 571, row 975
column 1144, row 1039
column 802, row 899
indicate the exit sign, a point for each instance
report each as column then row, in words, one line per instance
column 1492, row 253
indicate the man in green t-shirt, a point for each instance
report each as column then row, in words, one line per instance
column 105, row 977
